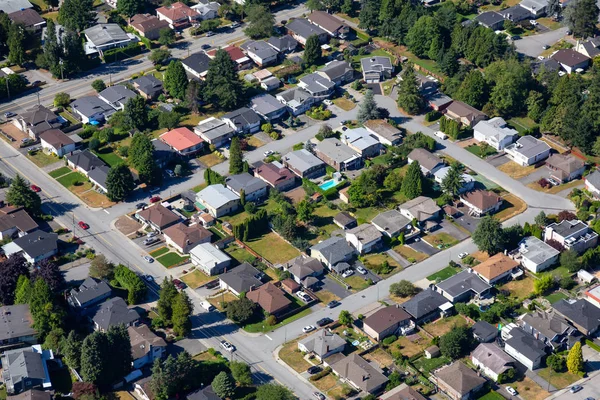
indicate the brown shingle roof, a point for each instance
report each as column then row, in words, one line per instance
column 159, row 215
column 407, row 393
column 183, row 235
column 495, row 266
column 146, row 23
column 177, row 11
column 269, row 297
column 28, row 17
column 566, row 164
column 569, row 57
column 386, row 318
column 482, row 199
column 56, row 138
column 273, row 175
column 459, row 377
column 326, row 21
column 357, row 370
column 141, row 338
column 425, row 158
column 11, row 217
column 464, row 110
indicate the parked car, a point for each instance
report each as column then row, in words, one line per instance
column 347, row 273
column 306, row 298
column 140, row 205
column 26, row 140
column 205, row 46
column 441, row 135
column 319, row 396
column 462, row 255
column 149, row 278
column 9, row 114
column 327, row 102
column 227, row 346
column 83, row 225
column 155, row 199
column 314, row 369
column 533, row 22
column 180, row 285
column 151, row 241
column 545, row 47
column 170, row 173
column 308, row 328
column 324, row 321
column 151, row 234
column 333, row 304
column 576, row 388
column 149, row 259
column 361, row 270
column 268, row 153
column 36, row 188
column 511, row 391
column 235, row 25
column 210, row 33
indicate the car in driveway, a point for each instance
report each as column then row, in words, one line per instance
column 151, row 234
column 36, row 188
column 151, row 241
column 347, row 273
column 83, row 225
column 324, row 321
column 180, row 285
column 462, row 255
column 314, row 369
column 361, row 270
column 308, row 328
column 319, row 396
column 511, row 391
column 303, row 296
column 227, row 346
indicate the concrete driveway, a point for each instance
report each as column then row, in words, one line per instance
column 375, row 87
column 533, row 45
column 451, row 229
column 334, row 287
column 423, row 247
column 498, row 160
column 535, row 176
column 467, row 222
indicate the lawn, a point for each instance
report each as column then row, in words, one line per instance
column 211, row 160
column 410, row 254
column 67, row 115
column 445, row 325
column 94, row 199
column 548, row 23
column 556, row 296
column 42, row 159
column 511, row 206
column 444, row 274
column 441, row 240
column 521, row 124
column 515, row 170
column 344, row 103
column 196, row 279
column 255, row 142
column 224, row 297
column 171, row 259
column 71, row 179
column 411, row 348
column 236, row 219
column 375, row 261
column 262, row 327
column 357, row 282
column 107, row 155
column 556, row 189
column 366, row 214
column 326, row 296
column 326, row 383
column 529, row 390
column 381, row 357
column 293, row 357
column 520, row 289
column 240, row 254
column 492, row 396
column 558, row 380
column 560, row 272
column 273, row 248
column 427, row 365
column 59, row 172
column 159, row 252
column 477, row 150
column 3, row 393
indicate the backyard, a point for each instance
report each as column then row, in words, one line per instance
column 273, row 248
column 445, row 325
column 108, row 155
column 427, row 365
column 520, row 289
column 411, row 345
column 239, row 254
column 381, row 357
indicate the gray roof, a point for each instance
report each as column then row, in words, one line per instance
column 32, row 394
column 566, row 228
column 386, row 318
column 594, row 179
column 335, row 150
column 530, row 146
column 266, row 104
column 197, row 62
column 460, row 377
column 439, row 99
column 483, row 329
column 260, row 48
column 99, row 175
column 422, row 207
column 536, row 250
column 37, row 243
column 284, row 43
column 581, row 312
column 242, row 278
column 89, row 290
column 516, row 13
column 526, row 344
column 425, row 158
column 303, row 266
column 117, row 94
column 489, row 18
column 114, row 312
column 391, row 222
column 538, row 4
column 242, row 117
column 148, row 84
column 365, row 233
column 86, row 160
column 203, row 394
column 213, row 128
column 376, row 64
column 322, row 341
column 15, row 322
column 358, row 371
column 11, row 6
column 359, row 138
column 315, row 83
column 246, row 182
column 303, row 28
column 334, row 249
column 295, row 96
column 302, row 160
column 548, row 64
column 496, row 128
column 24, row 363
column 336, row 69
column 548, row 323
column 463, row 282
column 591, row 49
column 344, row 219
column 105, row 34
column 161, row 150
column 216, row 195
column 424, row 303
column 40, row 119
column 493, row 357
column 27, row 17
column 90, row 106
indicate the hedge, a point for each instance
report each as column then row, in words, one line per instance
column 320, row 375
column 136, row 288
column 120, row 53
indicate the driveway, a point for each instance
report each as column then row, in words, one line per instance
column 533, row 45
column 334, row 287
column 466, row 221
column 192, row 346
column 592, row 358
column 498, row 160
column 451, row 229
column 535, row 176
column 375, row 87
column 423, row 247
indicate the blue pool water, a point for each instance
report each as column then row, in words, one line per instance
column 328, row 184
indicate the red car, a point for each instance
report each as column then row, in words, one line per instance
column 36, row 188
column 155, row 199
column 180, row 285
column 83, row 225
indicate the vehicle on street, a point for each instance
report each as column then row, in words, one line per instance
column 306, row 298
column 308, row 328
column 9, row 114
column 361, row 270
column 575, row 388
column 205, row 46
column 347, row 273
column 140, row 205
column 235, row 25
column 327, row 102
column 319, row 396
column 441, row 135
column 511, row 391
column 541, row 58
column 545, row 47
column 210, row 33
column 149, row 259
column 268, row 153
column 333, row 304
column 180, row 285
column 324, row 321
column 462, row 255
column 83, row 225
column 155, row 199
column 36, row 188
column 314, row 369
column 227, row 346
column 590, row 398
column 36, row 83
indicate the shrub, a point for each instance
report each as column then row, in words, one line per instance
column 271, row 320
column 320, row 375
column 544, row 183
column 432, row 116
column 389, row 340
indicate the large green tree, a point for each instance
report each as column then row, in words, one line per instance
column 367, row 109
column 575, row 359
column 168, row 293
column 119, row 183
column 271, row 391
column 241, row 373
column 582, row 16
column 16, row 44
column 424, row 38
column 240, row 310
column 72, row 54
column 136, row 113
column 312, row 51
column 52, row 50
column 20, row 194
column 76, row 15
column 176, row 80
column 182, row 311
column 93, row 355
column 223, row 385
column 223, row 85
column 71, row 350
column 409, row 97
column 456, row 343
column 260, row 22
column 236, row 158
column 489, row 235
column 130, row 7
column 149, row 171
column 473, row 90
column 412, row 184
column 453, row 182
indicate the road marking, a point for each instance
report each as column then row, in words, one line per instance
column 267, row 336
column 106, row 211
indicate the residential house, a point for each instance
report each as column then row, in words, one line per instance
column 405, row 393
column 360, row 374
column 290, row 286
column 148, row 86
column 270, row 298
column 496, row 268
column 15, row 222
column 270, row 84
column 84, row 161
column 268, row 107
column 10, row 6
column 218, row 200
column 243, row 120
column 438, row 101
column 146, row 346
column 428, row 162
column 384, row 132
column 376, row 69
column 98, row 177
column 162, row 153
column 157, row 217
column 37, row 120
column 546, row 65
column 468, row 182
column 237, row 56
column 102, row 37
column 464, row 113
column 332, row 251
column 391, row 320
column 593, row 295
column 463, row 286
column 584, row 315
column 495, row 133
column 458, row 381
column 565, row 167
column 214, row 131
column 481, row 202
column 114, row 312
column 589, row 48
column 322, row 344
column 365, row 238
column 338, row 155
column 275, row 174
column 572, row 235
column 284, row 44
column 206, row 393
column 427, row 85
column 426, row 306
column 491, row 20
column 345, row 221
column 548, row 327
column 207, row 10
column 338, row 72
column 241, row 279
column 536, row 7
column 148, row 26
column 255, row 189
column 362, row 142
column 528, row 150
column 484, row 332
column 91, row 292
column 422, row 209
column 516, row 13
column 178, row 15
column 184, row 237
column 26, row 368
column 301, row 30
column 491, row 360
column 116, row 96
column 525, row 348
column 32, row 394
column 392, row 223
column 260, row 52
column 92, row 110
column 29, row 19
column 571, row 61
column 196, row 65
column 329, row 23
column 303, row 267
column 535, row 255
column 16, row 325
column 318, row 86
column 54, row 141
column 36, row 246
column 304, row 164
column 297, row 100
column 183, row 141
column 592, row 183
column 209, row 259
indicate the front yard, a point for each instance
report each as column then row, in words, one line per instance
column 344, row 103
column 556, row 189
column 71, row 179
column 223, row 297
column 529, row 390
column 409, row 253
column 511, row 206
column 374, row 261
column 263, row 327
column 196, row 279
column 326, row 296
column 558, row 380
column 210, row 160
column 273, row 248
column 515, row 170
column 444, row 274
column 293, row 357
column 42, row 159
column 481, row 151
column 441, row 240
column 171, row 259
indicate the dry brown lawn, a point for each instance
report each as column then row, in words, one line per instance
column 293, row 357
column 480, row 256
column 515, row 170
column 519, row 289
column 326, row 383
column 196, row 279
column 381, row 357
column 411, row 348
column 409, row 253
column 344, row 104
column 517, row 206
column 95, row 199
column 556, row 189
column 221, row 297
column 211, row 160
column 445, row 325
column 529, row 390
column 326, row 296
column 127, row 225
column 255, row 142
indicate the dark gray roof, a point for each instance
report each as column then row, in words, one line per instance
column 581, row 312
column 489, row 18
column 91, row 106
column 591, row 49
column 284, row 43
column 463, row 282
column 246, row 182
column 15, row 322
column 391, row 221
column 526, row 344
column 336, row 69
column 242, row 117
column 344, row 219
column 460, row 378
column 148, row 84
column 24, row 363
column 114, row 312
column 303, row 28
column 530, row 146
column 89, row 290
column 302, row 267
column 547, row 323
column 548, row 64
column 99, row 175
column 32, row 394
column 197, row 62
column 86, row 160
column 315, row 83
column 516, row 13
column 117, row 94
column 259, row 47
column 203, row 394
column 242, row 278
column 334, row 249
column 104, row 34
column 424, row 303
column 483, row 329
column 594, row 179
column 40, row 119
column 296, row 94
column 266, row 104
column 322, row 341
column 358, row 371
column 335, row 150
column 566, row 228
column 161, row 150
column 37, row 243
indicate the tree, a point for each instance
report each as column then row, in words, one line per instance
column 16, row 44
column 369, row 14
column 312, row 51
column 159, row 56
column 271, row 391
column 305, row 210
column 566, row 215
column 46, row 315
column 23, row 290
column 136, row 113
column 72, row 54
column 166, row 36
column 543, row 284
column 101, row 268
column 393, row 182
column 62, row 99
column 570, row 260
column 368, row 108
column 149, row 171
column 175, row 375
column 456, row 343
column 236, row 158
column 176, row 80
column 240, row 310
column 168, row 293
column 93, row 351
column 223, row 85
column 241, row 373
column 71, row 350
column 412, row 184
column 409, row 98
column 182, row 311
column 130, row 7
column 139, row 148
column 119, row 183
column 192, row 95
column 474, row 89
column 76, row 15
column 345, row 318
column 121, row 359
column 223, row 385
column 453, row 181
column 135, row 286
column 168, row 120
column 10, row 271
column 313, row 5
column 541, row 219
column 582, row 16
column 536, row 105
column 575, row 359
column 20, row 195
column 348, row 7
column 556, row 362
column 52, row 50
column 50, row 273
column 403, row 288
column 489, row 236
column 260, row 22
column 424, row 37
column 98, row 85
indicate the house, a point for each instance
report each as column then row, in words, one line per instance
column 10, row 6
column 496, row 268
column 464, row 113
column 463, row 286
column 516, row 13
column 427, row 85
column 392, row 223
column 344, row 220
column 458, row 381
column 207, row 393
column 484, row 332
column 426, row 306
column 268, row 107
column 290, row 286
column 271, row 83
column 304, row 164
column 146, row 346
column 183, row 141
column 365, row 238
column 270, row 298
column 585, row 276
column 241, row 279
column 317, row 85
column 102, row 37
column 54, row 141
column 162, row 153
column 338, row 155
column 481, row 202
column 26, row 368
column 116, row 96
column 29, row 19
column 535, row 255
column 98, row 177
column 157, row 217
column 235, row 54
column 32, row 394
column 403, row 392
column 491, row 20
column 184, row 237
column 360, row 374
column 148, row 26
column 384, row 132
column 243, row 120
column 297, row 100
column 92, row 110
column 218, row 200
column 438, row 101
column 84, row 161
column 362, row 142
column 528, row 150
column 592, row 184
column 254, row 189
column 143, row 389
column 303, row 267
column 209, row 259
column 322, row 344
column 15, row 222
column 572, row 235
column 491, row 360
column 260, row 52
column 275, row 175
column 589, row 48
column 91, row 292
column 207, row 10
column 214, row 131
column 593, row 295
column 36, row 246
column 196, row 65
column 421, row 209
column 549, row 327
column 329, row 23
column 570, row 60
column 495, row 133
column 525, row 348
column 37, row 120
column 536, row 7
column 468, row 182
column 301, row 30
column 565, row 167
column 545, row 65
column 178, row 15
column 428, row 162
column 376, row 68
column 338, row 72
column 16, row 325
column 584, row 315
column 148, row 86
column 284, row 44
column 332, row 251
column 388, row 321
column 114, row 312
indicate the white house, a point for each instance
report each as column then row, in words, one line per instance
column 322, row 344
column 528, row 151
column 495, row 133
column 218, row 200
column 209, row 259
column 592, row 183
column 54, row 141
column 535, row 255
column 260, row 52
column 525, row 348
column 572, row 235
column 365, row 238
column 35, row 246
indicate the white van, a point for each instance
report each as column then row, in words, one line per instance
column 441, row 135
column 207, row 306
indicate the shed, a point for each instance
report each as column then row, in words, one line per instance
column 585, row 276
column 432, row 352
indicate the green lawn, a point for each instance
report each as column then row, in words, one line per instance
column 236, row 218
column 558, row 380
column 556, row 296
column 72, row 178
column 261, row 326
column 59, row 172
column 443, row 274
column 171, row 259
column 3, row 393
column 273, row 248
column 521, row 124
column 428, row 365
column 476, row 149
column 357, row 282
column 107, row 155
column 159, row 252
column 491, row 396
column 196, row 279
column 42, row 159
column 241, row 255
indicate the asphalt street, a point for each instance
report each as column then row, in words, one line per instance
column 533, row 45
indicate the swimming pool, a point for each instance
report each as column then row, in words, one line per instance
column 328, row 184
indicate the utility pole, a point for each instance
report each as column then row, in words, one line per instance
column 7, row 88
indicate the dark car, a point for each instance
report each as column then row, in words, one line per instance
column 9, row 114
column 140, row 205
column 180, row 285
column 333, row 304
column 314, row 369
column 324, row 321
column 206, row 46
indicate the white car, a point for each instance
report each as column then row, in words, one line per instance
column 149, row 278
column 227, row 346
column 441, row 135
column 303, row 296
column 308, row 328
column 541, row 58
column 462, row 255
column 511, row 391
column 149, row 259
column 533, row 22
column 347, row 273
column 268, row 153
column 327, row 102
column 361, row 270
